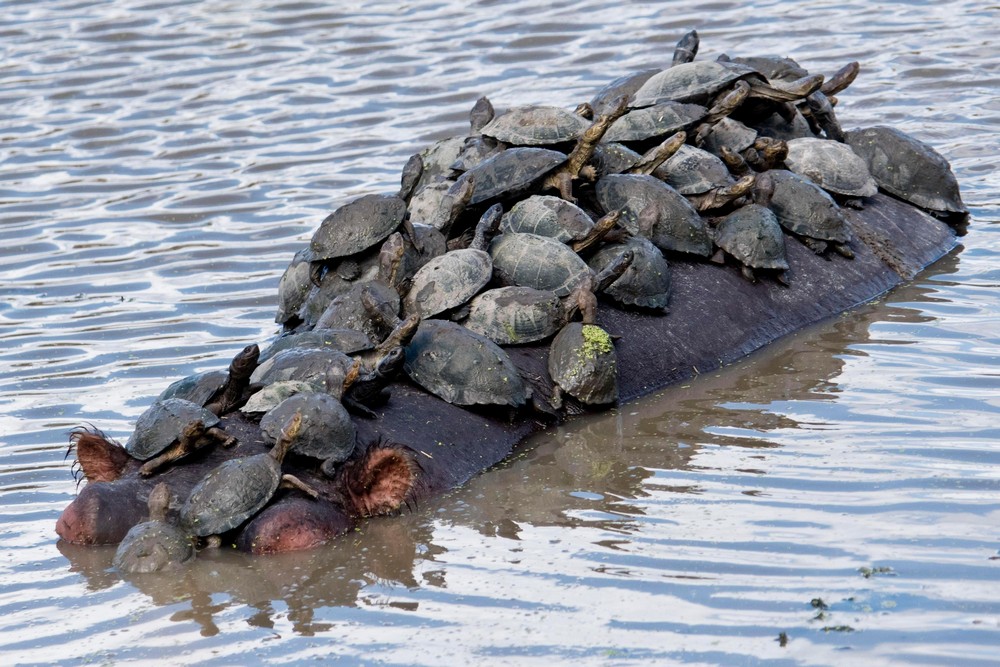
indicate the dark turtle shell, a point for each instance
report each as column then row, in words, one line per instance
column 511, row 172
column 583, row 362
column 752, row 235
column 462, row 367
column 448, row 281
column 347, row 341
column 605, row 99
column 730, row 133
column 673, row 224
column 347, row 311
column 230, row 494
column 690, row 82
column 692, row 171
column 357, row 226
column 646, row 282
column 831, row 165
column 294, row 286
column 550, row 216
column 197, row 388
column 536, row 126
column 161, row 424
column 802, row 207
column 515, row 315
column 530, row 260
column 774, row 68
column 659, row 120
column 327, row 431
column 613, row 158
column 315, row 366
column 908, row 168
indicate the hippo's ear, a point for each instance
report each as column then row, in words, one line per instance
column 382, row 480
column 101, row 459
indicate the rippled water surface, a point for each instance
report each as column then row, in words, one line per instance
column 834, row 499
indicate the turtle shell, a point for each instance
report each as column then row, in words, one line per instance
column 357, row 226
column 536, row 126
column 692, row 171
column 152, row 546
column 347, row 310
column 437, row 159
column 294, row 286
column 327, row 431
column 831, row 165
column 515, row 315
column 695, row 82
column 613, row 158
column 462, row 367
column 753, row 236
column 908, row 168
column 315, row 366
column 273, row 394
column 658, row 120
column 583, row 362
column 230, row 494
column 530, row 260
column 730, row 133
column 347, row 341
column 677, row 225
column 548, row 216
column 160, row 425
column 774, row 68
column 511, row 172
column 198, row 388
column 604, row 100
column 448, row 281
column 426, row 204
column 802, row 207
column 646, row 282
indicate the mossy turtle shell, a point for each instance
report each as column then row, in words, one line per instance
column 327, row 431
column 583, row 362
column 161, row 424
column 357, row 225
column 462, row 367
column 515, row 315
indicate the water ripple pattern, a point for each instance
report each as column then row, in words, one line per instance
column 831, row 500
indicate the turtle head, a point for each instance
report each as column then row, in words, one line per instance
column 389, row 365
column 159, row 502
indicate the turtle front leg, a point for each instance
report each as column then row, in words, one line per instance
column 293, row 482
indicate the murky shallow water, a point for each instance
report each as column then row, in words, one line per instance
column 161, row 162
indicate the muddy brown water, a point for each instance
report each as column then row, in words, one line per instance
column 833, row 499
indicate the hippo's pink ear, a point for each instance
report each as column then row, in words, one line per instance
column 100, row 458
column 381, row 480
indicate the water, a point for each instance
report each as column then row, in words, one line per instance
column 161, row 162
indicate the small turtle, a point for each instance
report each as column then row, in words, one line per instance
column 646, row 283
column 320, row 367
column 400, row 258
column 530, row 260
column 701, row 81
column 511, row 173
column 273, row 394
column 909, row 169
column 583, row 363
column 448, row 281
column 614, row 158
column 156, row 544
column 347, row 311
column 294, row 286
column 624, row 86
column 653, row 209
column 239, row 488
column 326, row 433
column 556, row 218
column 536, row 126
column 762, row 153
column 170, row 429
column 357, row 226
column 703, row 178
column 806, row 210
column 439, row 158
column 198, row 388
column 660, row 120
column 753, row 237
column 370, row 390
column 347, row 341
column 462, row 367
column 478, row 147
column 831, row 165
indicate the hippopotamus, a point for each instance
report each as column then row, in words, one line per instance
column 419, row 446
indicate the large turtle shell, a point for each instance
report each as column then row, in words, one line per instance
column 152, row 546
column 831, row 165
column 347, row 341
column 804, row 208
column 515, row 315
column 230, row 494
column 536, row 126
column 692, row 171
column 357, row 225
column 511, row 172
column 312, row 365
column 646, row 281
column 530, row 260
column 550, row 216
column 327, row 431
column 160, row 425
column 677, row 226
column 908, row 168
column 448, row 281
column 655, row 121
column 753, row 236
column 583, row 362
column 197, row 388
column 462, row 367
column 690, row 82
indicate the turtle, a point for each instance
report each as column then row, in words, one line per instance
column 198, row 388
column 557, row 218
column 700, row 81
column 653, row 209
column 703, row 178
column 761, row 152
column 320, row 367
column 273, row 394
column 462, row 367
column 357, row 226
column 510, row 173
column 909, row 169
column 170, row 429
column 347, row 341
column 237, row 489
column 615, row 158
column 831, row 165
column 448, row 281
column 536, row 126
column 752, row 236
column 236, row 389
column 326, row 432
column 400, row 258
column 369, row 390
column 644, row 284
column 346, row 311
column 582, row 363
column 155, row 544
column 439, row 158
column 530, row 260
column 294, row 286
column 806, row 210
column 659, row 120
column 606, row 98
